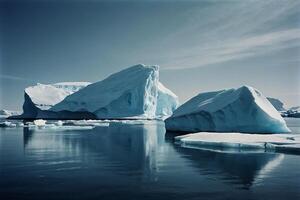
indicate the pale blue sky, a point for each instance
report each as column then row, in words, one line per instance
column 199, row 45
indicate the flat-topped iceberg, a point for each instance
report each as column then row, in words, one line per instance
column 132, row 93
column 240, row 141
column 235, row 110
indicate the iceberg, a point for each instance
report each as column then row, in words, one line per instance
column 278, row 105
column 292, row 112
column 40, row 98
column 133, row 93
column 244, row 109
column 167, row 101
column 39, row 122
column 6, row 124
column 7, row 113
column 45, row 96
column 241, row 141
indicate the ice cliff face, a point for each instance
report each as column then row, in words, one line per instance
column 235, row 110
column 167, row 101
column 132, row 93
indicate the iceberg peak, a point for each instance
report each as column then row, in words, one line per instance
column 131, row 93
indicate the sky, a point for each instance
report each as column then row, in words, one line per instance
column 199, row 45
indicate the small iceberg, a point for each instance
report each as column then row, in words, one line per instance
column 39, row 122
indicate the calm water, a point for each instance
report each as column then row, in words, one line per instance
column 136, row 162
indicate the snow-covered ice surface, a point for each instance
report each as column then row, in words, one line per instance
column 44, row 96
column 131, row 93
column 167, row 101
column 40, row 98
column 244, row 109
column 242, row 141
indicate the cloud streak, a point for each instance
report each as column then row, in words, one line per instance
column 235, row 31
column 14, row 78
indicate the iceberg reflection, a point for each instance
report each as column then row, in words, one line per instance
column 243, row 169
column 125, row 148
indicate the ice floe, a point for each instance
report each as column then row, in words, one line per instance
column 240, row 141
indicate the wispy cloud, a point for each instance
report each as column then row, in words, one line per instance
column 14, row 78
column 229, row 31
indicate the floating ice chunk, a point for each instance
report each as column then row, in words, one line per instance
column 7, row 124
column 59, row 123
column 39, row 122
column 241, row 140
column 53, row 127
column 86, row 123
column 236, row 110
column 19, row 124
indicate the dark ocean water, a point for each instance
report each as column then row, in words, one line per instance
column 136, row 162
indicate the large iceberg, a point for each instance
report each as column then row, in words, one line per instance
column 132, row 93
column 235, row 110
